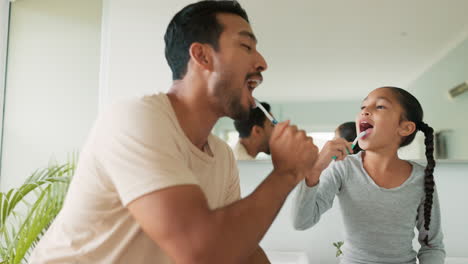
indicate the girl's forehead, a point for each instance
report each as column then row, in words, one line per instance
column 381, row 93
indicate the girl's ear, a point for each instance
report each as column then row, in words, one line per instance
column 407, row 128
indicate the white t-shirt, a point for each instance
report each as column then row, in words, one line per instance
column 134, row 148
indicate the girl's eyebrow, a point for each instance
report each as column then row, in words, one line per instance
column 380, row 98
column 384, row 98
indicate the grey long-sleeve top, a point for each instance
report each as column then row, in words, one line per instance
column 379, row 223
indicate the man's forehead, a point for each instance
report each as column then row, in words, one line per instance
column 235, row 24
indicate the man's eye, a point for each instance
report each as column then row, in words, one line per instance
column 362, row 107
column 380, row 107
column 247, row 47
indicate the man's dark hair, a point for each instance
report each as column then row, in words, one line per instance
column 195, row 23
column 348, row 131
column 256, row 118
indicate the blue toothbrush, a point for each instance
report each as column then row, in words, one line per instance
column 259, row 105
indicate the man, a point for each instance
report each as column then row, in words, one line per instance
column 254, row 134
column 153, row 185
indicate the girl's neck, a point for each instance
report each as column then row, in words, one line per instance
column 386, row 168
column 380, row 161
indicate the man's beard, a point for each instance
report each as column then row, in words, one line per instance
column 235, row 109
column 231, row 101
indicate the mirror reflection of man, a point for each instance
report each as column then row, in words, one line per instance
column 254, row 134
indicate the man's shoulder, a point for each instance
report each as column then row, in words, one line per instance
column 145, row 119
column 219, row 143
column 151, row 104
column 150, row 110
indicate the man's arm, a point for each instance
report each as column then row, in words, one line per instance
column 258, row 257
column 180, row 221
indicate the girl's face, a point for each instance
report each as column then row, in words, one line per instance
column 381, row 116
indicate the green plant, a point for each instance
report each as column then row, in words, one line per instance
column 338, row 248
column 26, row 212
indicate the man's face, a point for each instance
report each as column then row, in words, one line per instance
column 237, row 67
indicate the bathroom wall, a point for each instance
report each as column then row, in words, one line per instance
column 52, row 84
column 441, row 111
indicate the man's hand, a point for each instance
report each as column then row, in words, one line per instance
column 292, row 151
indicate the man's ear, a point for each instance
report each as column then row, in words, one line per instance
column 201, row 54
column 407, row 128
column 256, row 130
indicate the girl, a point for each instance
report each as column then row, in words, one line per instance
column 382, row 198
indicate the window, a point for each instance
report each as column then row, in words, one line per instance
column 320, row 138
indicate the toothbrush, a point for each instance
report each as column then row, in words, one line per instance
column 259, row 105
column 363, row 133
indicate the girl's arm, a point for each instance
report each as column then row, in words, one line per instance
column 435, row 252
column 311, row 202
column 316, row 193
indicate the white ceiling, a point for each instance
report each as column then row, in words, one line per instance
column 341, row 49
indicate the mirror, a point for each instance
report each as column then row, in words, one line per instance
column 325, row 57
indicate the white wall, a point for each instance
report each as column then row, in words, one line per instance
column 52, row 83
column 441, row 111
column 451, row 180
column 133, row 61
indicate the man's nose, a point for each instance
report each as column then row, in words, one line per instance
column 260, row 64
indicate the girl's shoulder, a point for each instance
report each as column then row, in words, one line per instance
column 352, row 164
column 417, row 176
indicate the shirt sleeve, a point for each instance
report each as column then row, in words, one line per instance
column 137, row 149
column 311, row 202
column 435, row 252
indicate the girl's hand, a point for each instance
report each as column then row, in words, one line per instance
column 338, row 148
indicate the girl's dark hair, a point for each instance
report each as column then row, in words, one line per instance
column 196, row 22
column 413, row 112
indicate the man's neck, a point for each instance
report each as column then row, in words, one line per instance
column 193, row 113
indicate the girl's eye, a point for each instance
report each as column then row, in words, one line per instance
column 380, row 107
column 362, row 107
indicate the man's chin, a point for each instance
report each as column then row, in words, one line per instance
column 240, row 114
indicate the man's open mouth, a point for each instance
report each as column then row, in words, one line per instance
column 253, row 83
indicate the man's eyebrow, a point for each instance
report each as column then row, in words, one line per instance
column 248, row 34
